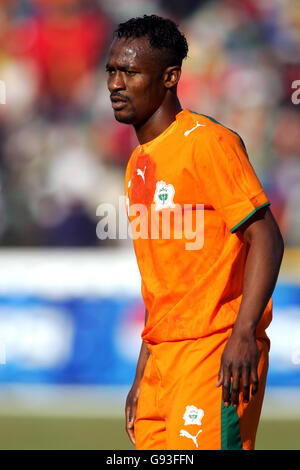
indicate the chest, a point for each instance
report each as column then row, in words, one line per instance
column 164, row 178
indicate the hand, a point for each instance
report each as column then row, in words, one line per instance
column 130, row 410
column 239, row 362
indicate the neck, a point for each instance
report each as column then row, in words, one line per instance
column 158, row 122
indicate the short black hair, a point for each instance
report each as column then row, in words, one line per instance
column 162, row 34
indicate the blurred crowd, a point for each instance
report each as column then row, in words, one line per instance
column 61, row 151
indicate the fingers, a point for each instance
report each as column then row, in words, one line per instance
column 235, row 391
column 254, row 380
column 130, row 424
column 224, row 379
column 246, row 384
column 226, row 387
column 220, row 378
column 236, row 384
column 130, row 430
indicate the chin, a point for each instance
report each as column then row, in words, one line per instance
column 125, row 118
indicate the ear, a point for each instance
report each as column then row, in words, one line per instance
column 171, row 76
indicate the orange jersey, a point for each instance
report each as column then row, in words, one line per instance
column 188, row 191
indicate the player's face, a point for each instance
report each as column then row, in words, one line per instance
column 134, row 80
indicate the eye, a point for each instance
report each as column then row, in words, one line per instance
column 130, row 72
column 109, row 70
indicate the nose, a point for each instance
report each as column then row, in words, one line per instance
column 115, row 81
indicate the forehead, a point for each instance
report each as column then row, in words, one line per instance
column 131, row 52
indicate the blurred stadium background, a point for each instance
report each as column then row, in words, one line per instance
column 70, row 305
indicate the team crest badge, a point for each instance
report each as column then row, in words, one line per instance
column 164, row 194
column 193, row 415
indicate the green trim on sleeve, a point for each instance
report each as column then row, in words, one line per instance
column 248, row 217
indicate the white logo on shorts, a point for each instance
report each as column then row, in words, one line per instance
column 184, row 433
column 192, row 415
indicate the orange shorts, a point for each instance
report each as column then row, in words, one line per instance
column 181, row 408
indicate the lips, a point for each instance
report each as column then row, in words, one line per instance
column 118, row 103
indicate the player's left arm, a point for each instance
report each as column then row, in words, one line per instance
column 240, row 357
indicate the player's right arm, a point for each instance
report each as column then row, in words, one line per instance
column 133, row 395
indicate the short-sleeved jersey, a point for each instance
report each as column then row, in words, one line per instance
column 188, row 191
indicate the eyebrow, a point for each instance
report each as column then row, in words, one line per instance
column 123, row 68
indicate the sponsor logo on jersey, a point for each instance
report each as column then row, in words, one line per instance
column 163, row 196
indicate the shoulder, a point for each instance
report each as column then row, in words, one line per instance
column 200, row 128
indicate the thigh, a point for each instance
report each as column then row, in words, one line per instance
column 197, row 418
column 149, row 425
column 194, row 414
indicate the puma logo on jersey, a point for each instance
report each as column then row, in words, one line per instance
column 141, row 173
column 193, row 128
column 184, row 433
